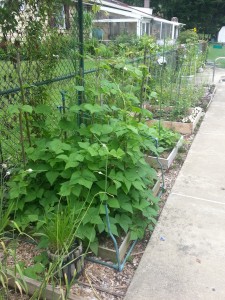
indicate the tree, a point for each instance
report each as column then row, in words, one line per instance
column 206, row 15
column 134, row 2
column 11, row 12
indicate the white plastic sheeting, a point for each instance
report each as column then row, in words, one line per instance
column 221, row 35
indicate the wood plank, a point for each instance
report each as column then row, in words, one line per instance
column 110, row 254
column 156, row 187
column 183, row 128
column 165, row 162
column 48, row 292
column 124, row 246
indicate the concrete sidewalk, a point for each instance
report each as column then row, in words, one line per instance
column 185, row 258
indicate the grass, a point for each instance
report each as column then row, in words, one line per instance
column 214, row 53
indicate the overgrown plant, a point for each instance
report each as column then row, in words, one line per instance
column 100, row 162
column 167, row 138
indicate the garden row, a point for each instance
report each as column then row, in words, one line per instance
column 85, row 175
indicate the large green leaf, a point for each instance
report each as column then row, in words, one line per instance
column 93, row 150
column 114, row 230
column 52, row 176
column 128, row 184
column 88, row 175
column 33, row 218
column 124, row 221
column 142, row 204
column 73, row 160
column 32, row 195
column 66, row 125
column 126, row 206
column 114, row 203
column 94, row 247
column 57, row 146
column 119, row 153
column 87, row 231
column 84, row 145
column 92, row 216
column 112, row 190
column 138, row 185
column 78, row 178
column 63, row 157
column 76, row 190
column 84, row 182
column 27, row 108
column 65, row 189
column 43, row 109
column 131, row 174
column 93, row 108
column 79, row 88
column 71, row 164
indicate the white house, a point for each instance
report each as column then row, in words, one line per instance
column 117, row 18
column 113, row 19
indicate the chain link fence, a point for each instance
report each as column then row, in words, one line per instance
column 39, row 65
column 27, row 82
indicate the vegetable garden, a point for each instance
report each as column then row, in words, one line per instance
column 74, row 138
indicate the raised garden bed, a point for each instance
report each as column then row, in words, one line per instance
column 186, row 126
column 164, row 162
column 107, row 252
column 156, row 187
column 48, row 292
column 107, row 283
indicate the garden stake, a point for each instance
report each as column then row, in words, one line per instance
column 1, row 153
column 81, row 54
column 63, row 107
column 119, row 265
column 22, row 138
column 22, row 95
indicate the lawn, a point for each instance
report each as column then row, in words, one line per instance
column 214, row 53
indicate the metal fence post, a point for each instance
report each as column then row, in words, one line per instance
column 81, row 54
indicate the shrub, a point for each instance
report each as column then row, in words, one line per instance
column 187, row 36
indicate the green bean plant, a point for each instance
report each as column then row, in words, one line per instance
column 167, row 138
column 99, row 162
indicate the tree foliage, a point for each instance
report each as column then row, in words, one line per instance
column 206, row 15
column 11, row 12
column 134, row 2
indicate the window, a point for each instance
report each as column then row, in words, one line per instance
column 61, row 18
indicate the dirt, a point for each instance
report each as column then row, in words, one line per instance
column 98, row 281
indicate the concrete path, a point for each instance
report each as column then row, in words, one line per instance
column 185, row 258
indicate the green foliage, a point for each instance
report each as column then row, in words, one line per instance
column 125, row 39
column 167, row 139
column 60, row 228
column 5, row 209
column 35, row 271
column 187, row 36
column 193, row 13
column 102, row 161
column 10, row 10
column 93, row 47
column 104, row 164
